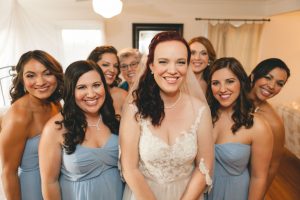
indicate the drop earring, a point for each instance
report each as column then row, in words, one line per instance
column 251, row 80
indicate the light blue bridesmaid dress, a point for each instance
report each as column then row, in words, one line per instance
column 92, row 173
column 29, row 171
column 231, row 174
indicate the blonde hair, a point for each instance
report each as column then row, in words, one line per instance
column 127, row 52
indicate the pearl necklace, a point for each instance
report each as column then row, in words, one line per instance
column 97, row 124
column 175, row 103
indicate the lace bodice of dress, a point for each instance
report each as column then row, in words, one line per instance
column 165, row 163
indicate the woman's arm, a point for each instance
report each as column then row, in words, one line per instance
column 50, row 153
column 200, row 179
column 261, row 152
column 119, row 96
column 13, row 138
column 278, row 149
column 129, row 142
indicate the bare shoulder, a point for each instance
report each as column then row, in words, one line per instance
column 261, row 128
column 269, row 112
column 54, row 128
column 15, row 124
column 276, row 124
column 259, row 122
column 129, row 111
column 17, row 115
column 129, row 125
column 115, row 91
column 272, row 117
column 53, row 122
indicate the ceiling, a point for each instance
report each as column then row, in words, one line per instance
column 159, row 2
column 70, row 9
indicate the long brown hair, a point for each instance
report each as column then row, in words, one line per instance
column 73, row 117
column 17, row 89
column 243, row 107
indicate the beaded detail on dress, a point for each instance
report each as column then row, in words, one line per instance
column 164, row 163
column 205, row 172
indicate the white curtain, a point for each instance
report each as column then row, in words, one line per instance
column 22, row 30
column 239, row 41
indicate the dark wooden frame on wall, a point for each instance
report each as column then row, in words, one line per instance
column 137, row 27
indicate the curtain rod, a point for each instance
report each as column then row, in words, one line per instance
column 244, row 20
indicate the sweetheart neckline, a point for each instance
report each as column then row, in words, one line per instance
column 183, row 133
column 191, row 130
column 101, row 147
column 234, row 143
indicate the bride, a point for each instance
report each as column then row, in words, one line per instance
column 165, row 134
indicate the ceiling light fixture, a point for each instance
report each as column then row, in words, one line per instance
column 107, row 8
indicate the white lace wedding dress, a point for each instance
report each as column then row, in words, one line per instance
column 166, row 168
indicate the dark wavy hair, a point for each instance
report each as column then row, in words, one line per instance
column 265, row 66
column 96, row 55
column 210, row 51
column 243, row 107
column 17, row 89
column 74, row 119
column 147, row 97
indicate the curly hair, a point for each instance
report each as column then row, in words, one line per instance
column 243, row 107
column 74, row 119
column 210, row 51
column 265, row 66
column 96, row 55
column 147, row 95
column 17, row 89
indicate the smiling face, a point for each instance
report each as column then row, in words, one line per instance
column 90, row 92
column 199, row 57
column 225, row 87
column 169, row 66
column 129, row 67
column 38, row 80
column 269, row 85
column 109, row 65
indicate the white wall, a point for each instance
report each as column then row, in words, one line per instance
column 275, row 7
column 281, row 38
column 119, row 28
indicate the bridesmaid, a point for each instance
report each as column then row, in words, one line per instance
column 243, row 140
column 267, row 80
column 35, row 94
column 79, row 146
column 107, row 59
column 202, row 57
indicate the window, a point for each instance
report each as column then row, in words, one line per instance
column 142, row 34
column 5, row 82
column 77, row 44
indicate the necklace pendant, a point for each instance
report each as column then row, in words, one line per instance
column 174, row 104
column 96, row 125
